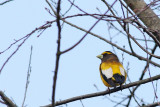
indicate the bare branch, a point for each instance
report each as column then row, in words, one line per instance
column 58, row 52
column 152, row 105
column 137, row 6
column 129, row 35
column 28, row 77
column 45, row 26
column 141, row 77
column 6, row 100
column 126, row 51
column 5, row 2
column 88, row 30
column 105, row 92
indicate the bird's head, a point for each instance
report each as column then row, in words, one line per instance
column 107, row 55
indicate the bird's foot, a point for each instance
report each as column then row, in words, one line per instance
column 121, row 87
column 109, row 90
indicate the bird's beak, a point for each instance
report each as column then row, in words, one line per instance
column 100, row 56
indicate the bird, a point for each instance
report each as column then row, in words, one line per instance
column 112, row 72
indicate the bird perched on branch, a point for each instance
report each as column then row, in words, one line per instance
column 111, row 70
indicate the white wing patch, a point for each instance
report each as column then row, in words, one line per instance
column 108, row 72
column 122, row 71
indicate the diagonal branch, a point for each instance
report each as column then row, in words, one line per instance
column 28, row 77
column 5, row 2
column 142, row 75
column 122, row 49
column 25, row 38
column 105, row 92
column 126, row 51
column 129, row 35
column 153, row 23
column 89, row 29
column 6, row 100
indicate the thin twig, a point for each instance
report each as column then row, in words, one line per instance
column 69, row 8
column 126, row 51
column 28, row 77
column 130, row 34
column 5, row 2
column 82, row 103
column 46, row 25
column 88, row 30
column 142, row 75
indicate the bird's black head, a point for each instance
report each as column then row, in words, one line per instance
column 107, row 55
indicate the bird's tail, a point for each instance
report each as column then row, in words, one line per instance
column 119, row 78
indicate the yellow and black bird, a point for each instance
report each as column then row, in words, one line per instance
column 111, row 70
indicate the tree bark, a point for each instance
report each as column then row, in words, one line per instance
column 146, row 15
